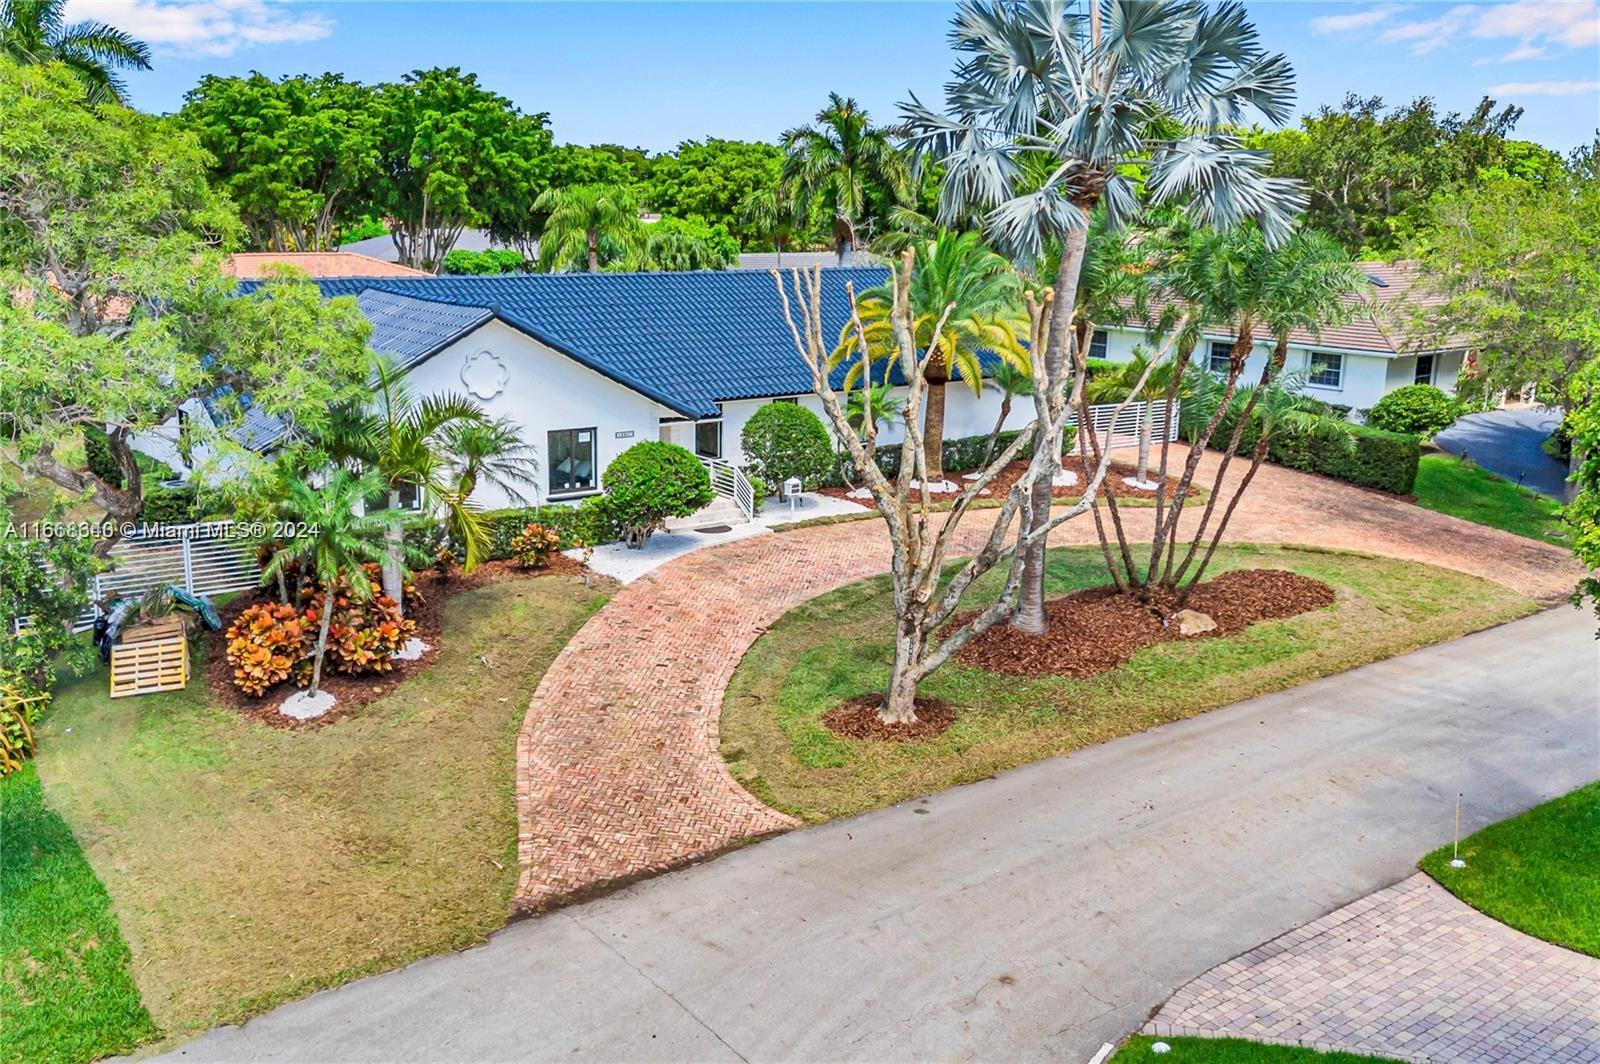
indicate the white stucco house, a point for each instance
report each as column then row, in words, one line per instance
column 1351, row 365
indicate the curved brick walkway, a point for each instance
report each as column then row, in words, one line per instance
column 1410, row 972
column 618, row 769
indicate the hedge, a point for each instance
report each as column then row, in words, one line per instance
column 1362, row 455
column 585, row 524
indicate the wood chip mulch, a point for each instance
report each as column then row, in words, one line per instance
column 1094, row 631
column 1000, row 486
column 353, row 692
column 857, row 718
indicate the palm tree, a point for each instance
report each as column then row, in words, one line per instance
column 36, row 31
column 1010, row 380
column 976, row 295
column 880, row 399
column 1082, row 88
column 1123, row 381
column 493, row 452
column 408, row 441
column 339, row 541
column 772, row 212
column 585, row 222
column 838, row 163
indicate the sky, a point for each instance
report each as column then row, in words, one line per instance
column 653, row 74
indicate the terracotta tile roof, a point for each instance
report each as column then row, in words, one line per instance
column 252, row 264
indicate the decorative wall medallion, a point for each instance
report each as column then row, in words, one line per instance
column 484, row 374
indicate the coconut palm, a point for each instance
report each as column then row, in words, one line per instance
column 493, row 452
column 974, row 298
column 408, row 441
column 36, row 31
column 1112, row 95
column 841, row 162
column 586, row 222
column 339, row 541
column 1011, row 380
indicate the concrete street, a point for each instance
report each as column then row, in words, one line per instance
column 1031, row 916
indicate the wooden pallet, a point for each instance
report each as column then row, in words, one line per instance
column 149, row 658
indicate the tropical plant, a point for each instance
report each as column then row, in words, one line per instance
column 650, row 482
column 1010, row 380
column 265, row 644
column 44, row 584
column 21, row 704
column 786, row 441
column 1153, row 384
column 1582, row 514
column 588, row 224
column 772, row 213
column 880, row 405
column 1052, row 112
column 339, row 541
column 533, row 546
column 1416, row 410
column 845, row 165
column 37, row 31
column 684, row 244
column 492, row 452
column 966, row 302
column 365, row 629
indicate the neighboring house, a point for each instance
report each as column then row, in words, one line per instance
column 1351, row 365
column 790, row 260
column 250, row 265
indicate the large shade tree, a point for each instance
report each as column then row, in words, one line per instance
column 1057, row 109
column 37, row 31
column 845, row 166
column 114, row 306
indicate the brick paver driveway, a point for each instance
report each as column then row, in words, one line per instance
column 1408, row 972
column 618, row 770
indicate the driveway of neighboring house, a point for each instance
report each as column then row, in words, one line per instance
column 1031, row 916
column 1507, row 442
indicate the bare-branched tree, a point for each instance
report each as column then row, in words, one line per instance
column 923, row 540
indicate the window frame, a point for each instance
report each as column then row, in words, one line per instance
column 1227, row 356
column 1099, row 343
column 593, row 487
column 1338, row 372
column 1417, row 376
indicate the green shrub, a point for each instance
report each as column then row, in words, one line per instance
column 650, row 482
column 170, row 506
column 97, row 456
column 365, row 229
column 784, row 440
column 21, row 704
column 758, row 488
column 461, row 261
column 1416, row 409
column 1361, row 455
column 587, row 524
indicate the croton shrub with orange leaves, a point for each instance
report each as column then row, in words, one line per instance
column 363, row 634
column 265, row 644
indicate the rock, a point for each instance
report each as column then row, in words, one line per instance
column 1193, row 622
column 1142, row 485
column 860, row 493
column 413, row 650
column 1064, row 478
column 303, row 705
column 937, row 487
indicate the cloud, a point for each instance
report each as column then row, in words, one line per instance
column 1431, row 34
column 1572, row 24
column 205, row 27
column 1544, row 88
column 1356, row 20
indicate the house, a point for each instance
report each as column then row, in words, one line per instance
column 251, row 265
column 1350, row 366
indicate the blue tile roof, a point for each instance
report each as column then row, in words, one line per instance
column 688, row 340
column 409, row 330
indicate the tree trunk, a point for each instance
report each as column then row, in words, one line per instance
column 394, row 554
column 933, row 431
column 1144, row 445
column 999, row 427
column 322, row 638
column 1030, row 617
column 283, row 587
column 594, row 251
column 900, row 698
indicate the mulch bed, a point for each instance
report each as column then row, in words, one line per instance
column 1094, row 631
column 1000, row 486
column 857, row 718
column 353, row 692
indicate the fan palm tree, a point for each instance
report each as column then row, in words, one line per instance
column 586, row 222
column 839, row 163
column 36, row 31
column 1113, row 94
column 408, row 442
column 1011, row 380
column 773, row 213
column 976, row 295
column 340, row 540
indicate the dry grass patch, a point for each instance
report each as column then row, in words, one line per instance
column 836, row 647
column 250, row 864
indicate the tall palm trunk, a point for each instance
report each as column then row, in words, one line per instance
column 933, row 427
column 322, row 637
column 1144, row 445
column 394, row 553
column 593, row 237
column 1029, row 616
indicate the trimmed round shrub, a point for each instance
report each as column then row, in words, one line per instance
column 1416, row 409
column 650, row 482
column 784, row 440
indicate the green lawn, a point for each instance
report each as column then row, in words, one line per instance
column 251, row 864
column 65, row 991
column 1229, row 1051
column 1538, row 872
column 837, row 645
column 1461, row 489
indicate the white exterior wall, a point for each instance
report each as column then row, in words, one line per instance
column 544, row 390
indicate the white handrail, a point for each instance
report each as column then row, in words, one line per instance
column 730, row 483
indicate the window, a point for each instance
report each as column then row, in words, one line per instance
column 793, row 400
column 571, row 457
column 410, row 499
column 1097, row 344
column 1424, row 374
column 1221, row 353
column 708, row 439
column 1326, row 370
